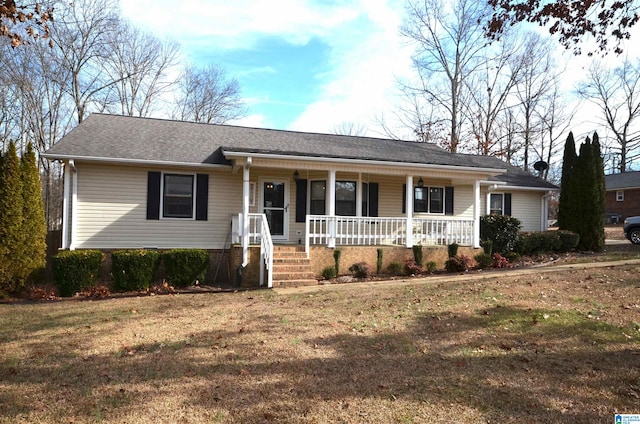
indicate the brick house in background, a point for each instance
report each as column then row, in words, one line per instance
column 623, row 196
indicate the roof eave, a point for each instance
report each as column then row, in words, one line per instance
column 128, row 161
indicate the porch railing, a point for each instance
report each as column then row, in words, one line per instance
column 259, row 233
column 350, row 230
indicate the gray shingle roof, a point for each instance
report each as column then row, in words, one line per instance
column 623, row 180
column 145, row 139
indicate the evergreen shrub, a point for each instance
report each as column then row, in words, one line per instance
column 417, row 254
column 183, row 267
column 329, row 272
column 360, row 270
column 134, row 269
column 394, row 268
column 336, row 259
column 502, row 230
column 452, row 250
column 484, row 260
column 76, row 270
column 568, row 240
column 539, row 242
column 379, row 261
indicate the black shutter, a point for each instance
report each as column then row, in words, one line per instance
column 153, row 195
column 301, row 200
column 448, row 200
column 404, row 198
column 202, row 196
column 507, row 204
column 373, row 199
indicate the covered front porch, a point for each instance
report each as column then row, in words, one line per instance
column 311, row 203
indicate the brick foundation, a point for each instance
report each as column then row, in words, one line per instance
column 322, row 257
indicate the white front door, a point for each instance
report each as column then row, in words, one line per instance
column 274, row 203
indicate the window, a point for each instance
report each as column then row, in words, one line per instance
column 619, row 196
column 346, row 198
column 495, row 204
column 500, row 204
column 428, row 200
column 177, row 196
column 318, row 197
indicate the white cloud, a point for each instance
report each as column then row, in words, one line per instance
column 238, row 24
column 366, row 57
column 367, row 61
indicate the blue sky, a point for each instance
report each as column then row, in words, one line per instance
column 302, row 65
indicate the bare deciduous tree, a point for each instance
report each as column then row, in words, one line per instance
column 617, row 94
column 449, row 38
column 207, row 96
column 141, row 67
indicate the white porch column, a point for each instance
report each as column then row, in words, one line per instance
column 332, row 208
column 65, row 206
column 74, row 205
column 245, row 213
column 409, row 208
column 476, row 214
column 359, row 195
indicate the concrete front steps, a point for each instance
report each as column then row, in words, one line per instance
column 291, row 267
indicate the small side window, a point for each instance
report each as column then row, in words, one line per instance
column 619, row 196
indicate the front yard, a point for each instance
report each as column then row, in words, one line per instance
column 556, row 347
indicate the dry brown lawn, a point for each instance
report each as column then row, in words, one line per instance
column 548, row 347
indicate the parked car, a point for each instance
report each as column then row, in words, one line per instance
column 632, row 229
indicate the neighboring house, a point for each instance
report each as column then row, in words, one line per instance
column 623, row 196
column 150, row 183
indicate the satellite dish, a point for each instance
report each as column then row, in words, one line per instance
column 540, row 166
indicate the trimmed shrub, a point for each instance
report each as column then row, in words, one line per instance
column 412, row 268
column 394, row 268
column 537, row 242
column 336, row 259
column 431, row 266
column 568, row 240
column 458, row 263
column 76, row 270
column 452, row 250
column 379, row 261
column 484, row 260
column 183, row 267
column 329, row 272
column 417, row 254
column 487, row 246
column 502, row 230
column 360, row 270
column 134, row 269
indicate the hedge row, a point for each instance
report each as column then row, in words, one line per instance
column 77, row 270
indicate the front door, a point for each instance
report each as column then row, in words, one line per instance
column 275, row 205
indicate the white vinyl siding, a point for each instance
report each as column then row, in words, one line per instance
column 112, row 211
column 525, row 205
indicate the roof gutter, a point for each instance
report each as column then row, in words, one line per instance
column 491, row 171
column 133, row 161
column 525, row 188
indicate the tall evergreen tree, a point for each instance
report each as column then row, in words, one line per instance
column 34, row 222
column 11, row 209
column 566, row 214
column 587, row 196
column 600, row 201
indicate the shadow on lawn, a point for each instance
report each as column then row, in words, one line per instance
column 513, row 365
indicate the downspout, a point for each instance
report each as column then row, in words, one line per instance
column 65, row 206
column 74, row 205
